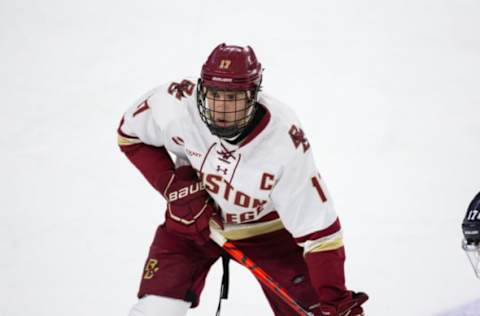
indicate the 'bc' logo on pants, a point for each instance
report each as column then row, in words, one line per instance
column 150, row 269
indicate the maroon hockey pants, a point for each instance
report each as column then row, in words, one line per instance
column 177, row 268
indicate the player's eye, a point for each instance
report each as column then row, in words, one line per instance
column 214, row 94
column 241, row 96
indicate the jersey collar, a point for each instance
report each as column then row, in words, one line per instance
column 259, row 128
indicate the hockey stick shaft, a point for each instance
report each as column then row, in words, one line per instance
column 258, row 272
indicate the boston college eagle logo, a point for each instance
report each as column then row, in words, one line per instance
column 150, row 268
column 298, row 137
column 180, row 89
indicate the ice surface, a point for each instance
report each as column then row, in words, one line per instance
column 388, row 92
column 471, row 309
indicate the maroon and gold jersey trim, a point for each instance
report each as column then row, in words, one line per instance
column 332, row 229
column 124, row 139
column 243, row 231
column 333, row 243
column 327, row 239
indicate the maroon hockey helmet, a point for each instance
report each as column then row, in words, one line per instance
column 229, row 69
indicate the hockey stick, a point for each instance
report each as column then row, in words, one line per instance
column 258, row 272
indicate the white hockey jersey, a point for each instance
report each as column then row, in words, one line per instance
column 270, row 172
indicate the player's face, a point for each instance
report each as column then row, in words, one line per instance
column 227, row 108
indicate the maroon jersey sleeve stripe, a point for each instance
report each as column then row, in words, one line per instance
column 335, row 227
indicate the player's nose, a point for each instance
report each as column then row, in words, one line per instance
column 221, row 106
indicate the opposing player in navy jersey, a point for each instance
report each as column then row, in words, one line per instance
column 471, row 234
column 221, row 151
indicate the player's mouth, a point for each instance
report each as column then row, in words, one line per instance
column 222, row 123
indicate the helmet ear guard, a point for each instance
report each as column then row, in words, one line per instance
column 229, row 69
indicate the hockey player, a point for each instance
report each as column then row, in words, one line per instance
column 242, row 159
column 471, row 234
